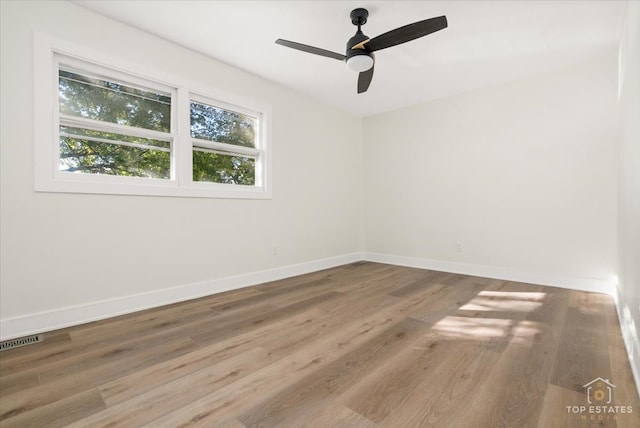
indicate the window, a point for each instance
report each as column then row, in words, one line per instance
column 107, row 127
column 224, row 144
column 133, row 132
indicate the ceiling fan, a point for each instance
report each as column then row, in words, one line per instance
column 360, row 48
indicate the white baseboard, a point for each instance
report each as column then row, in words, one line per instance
column 575, row 283
column 630, row 338
column 65, row 317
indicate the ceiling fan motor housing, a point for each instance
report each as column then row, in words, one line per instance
column 358, row 38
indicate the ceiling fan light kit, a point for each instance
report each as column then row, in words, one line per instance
column 359, row 55
column 359, row 63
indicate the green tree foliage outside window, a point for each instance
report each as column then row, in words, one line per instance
column 222, row 126
column 94, row 151
column 222, row 168
column 97, row 152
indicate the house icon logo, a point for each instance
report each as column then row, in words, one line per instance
column 600, row 408
column 599, row 391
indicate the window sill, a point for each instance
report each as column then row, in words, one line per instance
column 156, row 188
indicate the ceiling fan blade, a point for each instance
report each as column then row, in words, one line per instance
column 364, row 80
column 310, row 49
column 406, row 33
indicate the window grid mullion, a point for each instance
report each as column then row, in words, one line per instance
column 184, row 157
column 221, row 152
column 98, row 125
column 115, row 142
column 226, row 148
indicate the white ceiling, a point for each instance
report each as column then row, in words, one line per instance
column 486, row 43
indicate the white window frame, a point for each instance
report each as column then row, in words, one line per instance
column 49, row 53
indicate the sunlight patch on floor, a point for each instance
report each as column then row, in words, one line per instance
column 488, row 329
column 507, row 326
column 505, row 301
column 473, row 328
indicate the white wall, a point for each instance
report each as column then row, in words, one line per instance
column 522, row 174
column 61, row 251
column 629, row 188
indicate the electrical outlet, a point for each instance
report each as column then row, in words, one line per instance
column 458, row 247
column 275, row 250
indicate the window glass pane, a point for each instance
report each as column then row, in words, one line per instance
column 108, row 101
column 95, row 152
column 216, row 167
column 223, row 126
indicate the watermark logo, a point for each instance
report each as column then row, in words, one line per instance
column 600, row 402
column 599, row 391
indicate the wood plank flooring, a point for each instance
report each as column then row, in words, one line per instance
column 361, row 345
